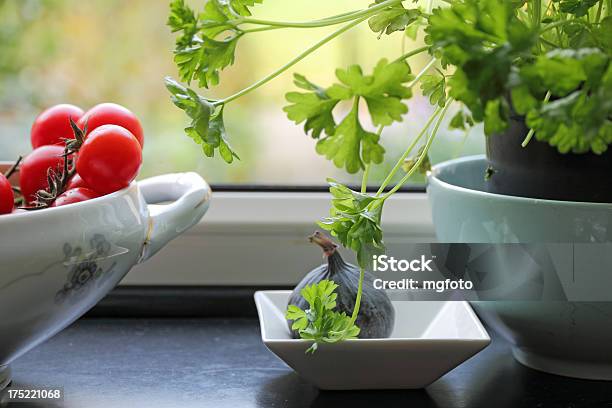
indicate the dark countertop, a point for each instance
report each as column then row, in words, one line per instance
column 223, row 363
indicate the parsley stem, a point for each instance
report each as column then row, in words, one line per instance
column 339, row 15
column 422, row 156
column 260, row 29
column 291, row 63
column 403, row 157
column 364, row 179
column 536, row 10
column 358, row 298
column 549, row 43
column 554, row 24
column 411, row 53
column 598, row 15
column 531, row 131
column 423, row 72
column 400, row 161
column 528, row 138
column 536, row 18
column 342, row 18
column 269, row 28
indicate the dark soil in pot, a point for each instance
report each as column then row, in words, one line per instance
column 540, row 171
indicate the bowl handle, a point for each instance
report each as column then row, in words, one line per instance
column 187, row 196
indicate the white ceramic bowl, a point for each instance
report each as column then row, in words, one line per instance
column 429, row 339
column 59, row 262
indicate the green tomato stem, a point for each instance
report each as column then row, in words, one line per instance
column 342, row 18
column 423, row 154
column 291, row 63
column 13, row 168
column 403, row 157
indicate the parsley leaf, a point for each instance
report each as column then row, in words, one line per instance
column 351, row 146
column 434, row 86
column 242, row 6
column 382, row 91
column 461, row 120
column 200, row 54
column 314, row 108
column 348, row 144
column 215, row 19
column 483, row 39
column 578, row 122
column 320, row 322
column 205, row 59
column 206, row 127
column 182, row 18
column 423, row 167
column 565, row 70
column 603, row 34
column 581, row 34
column 392, row 19
column 355, row 220
column 577, row 7
column 522, row 99
column 577, row 119
column 496, row 114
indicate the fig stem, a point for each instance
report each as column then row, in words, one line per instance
column 327, row 245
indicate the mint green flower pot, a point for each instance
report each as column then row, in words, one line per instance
column 566, row 338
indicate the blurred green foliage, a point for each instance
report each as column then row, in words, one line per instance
column 86, row 52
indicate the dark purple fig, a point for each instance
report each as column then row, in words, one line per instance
column 376, row 313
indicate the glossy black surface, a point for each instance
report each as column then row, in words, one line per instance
column 223, row 363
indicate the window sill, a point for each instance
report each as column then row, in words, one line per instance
column 259, row 238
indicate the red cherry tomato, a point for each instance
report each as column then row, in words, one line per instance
column 76, row 181
column 7, row 198
column 53, row 125
column 75, row 195
column 33, row 170
column 112, row 114
column 109, row 159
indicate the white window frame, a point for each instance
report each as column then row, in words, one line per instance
column 255, row 238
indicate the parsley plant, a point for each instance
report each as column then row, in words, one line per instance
column 547, row 60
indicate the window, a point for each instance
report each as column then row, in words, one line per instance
column 112, row 50
column 87, row 52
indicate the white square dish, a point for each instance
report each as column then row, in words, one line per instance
column 429, row 339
